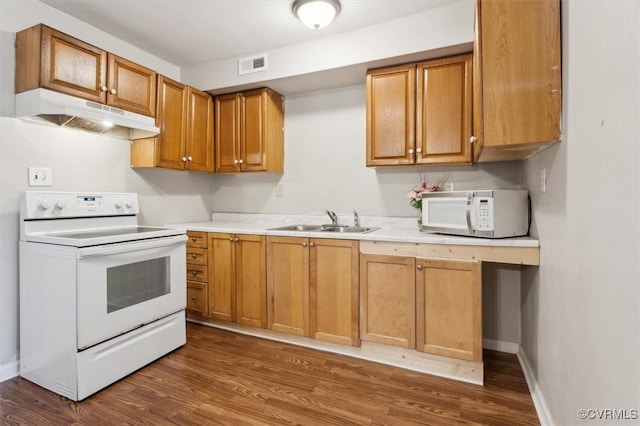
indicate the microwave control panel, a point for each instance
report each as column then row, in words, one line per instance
column 484, row 213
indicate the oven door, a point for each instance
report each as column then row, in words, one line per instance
column 126, row 285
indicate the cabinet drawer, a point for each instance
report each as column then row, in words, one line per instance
column 197, row 239
column 196, row 256
column 197, row 273
column 197, row 298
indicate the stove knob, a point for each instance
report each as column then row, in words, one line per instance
column 129, row 203
column 44, row 205
column 119, row 204
column 61, row 204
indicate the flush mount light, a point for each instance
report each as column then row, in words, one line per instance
column 316, row 13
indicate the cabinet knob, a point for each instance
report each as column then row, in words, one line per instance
column 194, row 273
column 304, row 244
column 193, row 239
column 193, row 255
column 235, row 161
column 312, row 244
column 184, row 159
column 235, row 240
column 411, row 151
column 112, row 91
column 419, row 150
column 193, row 298
column 103, row 88
column 241, row 161
column 190, row 158
column 231, row 239
column 473, row 139
column 419, row 267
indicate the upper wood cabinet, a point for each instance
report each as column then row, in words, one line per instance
column 185, row 119
column 249, row 133
column 517, row 78
column 51, row 59
column 420, row 113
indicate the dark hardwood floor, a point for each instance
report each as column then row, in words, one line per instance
column 221, row 377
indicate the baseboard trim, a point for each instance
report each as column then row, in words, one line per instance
column 537, row 396
column 501, row 346
column 9, row 371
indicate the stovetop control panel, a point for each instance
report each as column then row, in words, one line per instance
column 58, row 205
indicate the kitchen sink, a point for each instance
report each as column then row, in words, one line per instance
column 302, row 228
column 324, row 228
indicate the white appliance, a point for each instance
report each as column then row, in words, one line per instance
column 495, row 213
column 100, row 296
column 49, row 106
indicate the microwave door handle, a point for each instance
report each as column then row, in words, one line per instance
column 469, row 205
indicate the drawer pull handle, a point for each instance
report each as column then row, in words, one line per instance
column 193, row 239
column 193, row 298
column 193, row 256
column 194, row 273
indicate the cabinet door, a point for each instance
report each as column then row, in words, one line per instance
column 391, row 115
column 227, row 129
column 251, row 280
column 199, row 139
column 196, row 298
column 252, row 130
column 443, row 116
column 333, row 291
column 520, row 76
column 288, row 285
column 73, row 67
column 221, row 276
column 449, row 305
column 171, row 119
column 131, row 86
column 387, row 299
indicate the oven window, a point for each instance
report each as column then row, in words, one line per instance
column 134, row 283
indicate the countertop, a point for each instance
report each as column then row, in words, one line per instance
column 391, row 229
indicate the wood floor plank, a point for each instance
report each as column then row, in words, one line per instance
column 224, row 378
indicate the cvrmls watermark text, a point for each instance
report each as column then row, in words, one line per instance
column 608, row 414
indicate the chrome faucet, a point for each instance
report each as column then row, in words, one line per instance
column 356, row 219
column 333, row 216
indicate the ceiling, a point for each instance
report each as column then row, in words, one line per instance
column 192, row 32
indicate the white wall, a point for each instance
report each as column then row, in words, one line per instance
column 581, row 308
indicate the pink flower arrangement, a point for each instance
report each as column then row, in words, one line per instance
column 413, row 195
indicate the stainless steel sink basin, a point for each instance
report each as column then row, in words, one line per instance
column 358, row 230
column 324, row 228
column 301, row 228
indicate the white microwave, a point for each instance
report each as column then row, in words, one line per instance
column 495, row 213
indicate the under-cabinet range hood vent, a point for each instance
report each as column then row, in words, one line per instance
column 252, row 64
column 56, row 108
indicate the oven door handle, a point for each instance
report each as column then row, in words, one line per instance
column 109, row 249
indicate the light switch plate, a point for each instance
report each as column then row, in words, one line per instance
column 40, row 176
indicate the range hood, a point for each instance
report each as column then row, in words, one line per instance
column 56, row 108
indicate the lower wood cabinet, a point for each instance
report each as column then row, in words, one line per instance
column 237, row 278
column 312, row 288
column 431, row 305
column 449, row 308
column 387, row 299
column 197, row 273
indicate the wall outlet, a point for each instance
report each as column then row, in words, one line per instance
column 40, row 176
column 279, row 190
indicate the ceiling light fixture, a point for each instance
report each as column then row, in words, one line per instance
column 316, row 14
